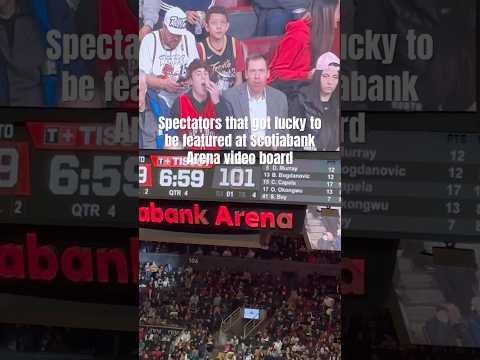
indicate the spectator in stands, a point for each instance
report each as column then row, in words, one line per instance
column 439, row 330
column 194, row 9
column 320, row 98
column 164, row 57
column 203, row 99
column 304, row 41
column 323, row 231
column 255, row 99
column 222, row 52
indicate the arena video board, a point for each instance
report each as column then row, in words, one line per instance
column 302, row 179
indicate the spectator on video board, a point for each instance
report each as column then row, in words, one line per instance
column 320, row 98
column 194, row 9
column 222, row 52
column 304, row 41
column 22, row 55
column 255, row 99
column 164, row 57
column 203, row 100
column 438, row 329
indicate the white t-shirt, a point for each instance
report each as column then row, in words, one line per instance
column 172, row 63
column 258, row 109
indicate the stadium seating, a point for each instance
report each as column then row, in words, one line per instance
column 229, row 4
column 242, row 17
column 294, row 313
column 263, row 45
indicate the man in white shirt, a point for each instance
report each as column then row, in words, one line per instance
column 256, row 100
column 164, row 57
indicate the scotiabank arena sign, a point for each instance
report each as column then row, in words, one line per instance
column 69, row 265
column 77, row 264
column 219, row 217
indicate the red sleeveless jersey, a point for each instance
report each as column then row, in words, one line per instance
column 188, row 110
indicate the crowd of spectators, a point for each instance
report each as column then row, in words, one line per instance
column 305, row 326
column 287, row 247
column 303, row 314
column 192, row 63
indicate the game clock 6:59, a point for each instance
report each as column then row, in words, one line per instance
column 98, row 175
column 183, row 178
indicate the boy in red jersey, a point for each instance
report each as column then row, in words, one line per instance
column 202, row 100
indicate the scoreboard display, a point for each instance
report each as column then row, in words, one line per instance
column 307, row 180
column 412, row 184
column 66, row 173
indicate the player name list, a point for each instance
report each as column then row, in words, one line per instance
column 305, row 182
column 412, row 182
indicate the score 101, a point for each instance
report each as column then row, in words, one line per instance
column 195, row 178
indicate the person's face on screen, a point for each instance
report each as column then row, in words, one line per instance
column 199, row 82
column 257, row 75
column 329, row 80
column 170, row 40
column 217, row 26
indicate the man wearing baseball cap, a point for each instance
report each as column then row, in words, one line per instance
column 164, row 57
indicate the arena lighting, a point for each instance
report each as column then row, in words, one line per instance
column 77, row 264
column 222, row 215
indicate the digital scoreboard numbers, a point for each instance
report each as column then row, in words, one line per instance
column 14, row 179
column 91, row 186
column 306, row 181
column 412, row 183
column 67, row 174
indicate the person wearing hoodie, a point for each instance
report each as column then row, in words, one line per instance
column 304, row 41
column 319, row 98
column 152, row 9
